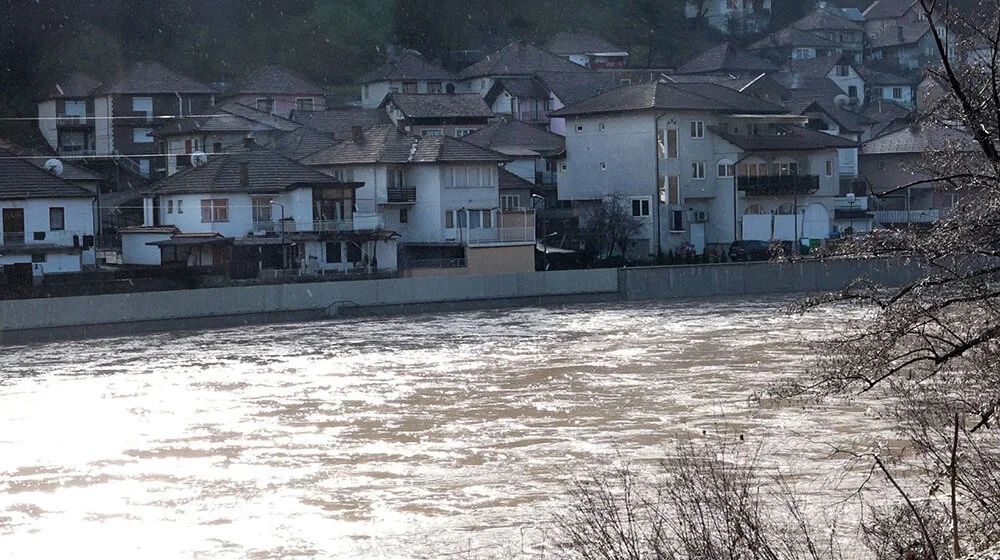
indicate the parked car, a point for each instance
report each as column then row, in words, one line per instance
column 750, row 250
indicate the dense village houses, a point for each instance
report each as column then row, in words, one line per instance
column 338, row 123
column 408, row 72
column 47, row 222
column 440, row 194
column 272, row 89
column 726, row 60
column 66, row 116
column 731, row 16
column 825, row 31
column 452, row 114
column 898, row 34
column 588, row 50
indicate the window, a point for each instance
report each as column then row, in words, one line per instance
column 726, row 169
column 852, row 91
column 409, row 87
column 697, row 129
column 304, row 104
column 843, row 70
column 404, row 215
column 601, row 127
column 877, row 92
column 791, row 168
column 170, row 207
column 180, row 205
column 143, row 105
column 579, row 128
column 449, row 219
column 333, row 253
column 215, row 210
column 480, row 219
column 261, row 209
column 508, row 201
column 673, row 190
column 142, row 135
column 38, row 257
column 467, row 177
column 461, row 132
column 697, row 170
column 144, row 167
column 753, row 170
column 640, row 207
column 604, row 166
column 829, row 168
column 432, row 132
column 434, row 87
column 264, row 104
column 364, row 91
column 672, row 143
column 897, row 93
column 57, row 218
column 677, row 220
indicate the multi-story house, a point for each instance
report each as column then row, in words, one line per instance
column 408, row 72
column 46, row 221
column 731, row 16
column 221, row 127
column 588, row 50
column 887, row 86
column 275, row 90
column 66, row 116
column 792, row 43
column 453, row 114
column 251, row 209
column 841, row 69
column 727, row 60
column 700, row 163
column 833, row 24
column 128, row 109
column 440, row 194
column 899, row 34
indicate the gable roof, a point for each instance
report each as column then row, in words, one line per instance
column 275, row 80
column 905, row 33
column 725, row 59
column 879, row 78
column 387, row 144
column 408, row 65
column 582, row 42
column 663, row 95
column 508, row 180
column 516, row 138
column 571, row 87
column 21, row 179
column 434, row 105
column 884, row 110
column 300, row 143
column 520, row 59
column 75, row 84
column 824, row 18
column 228, row 117
column 792, row 36
column 818, row 67
column 920, row 138
column 888, row 9
column 848, row 121
column 268, row 172
column 339, row 122
column 153, row 77
column 795, row 138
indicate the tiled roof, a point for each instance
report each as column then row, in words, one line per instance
column 795, row 138
column 268, row 172
column 71, row 171
column 886, row 9
column 670, row 96
column 517, row 87
column 571, row 87
column 848, row 121
column 429, row 105
column 409, row 65
column 340, row 122
column 153, row 77
column 883, row 110
column 510, row 181
column 513, row 137
column 520, row 59
column 920, row 138
column 387, row 144
column 582, row 42
column 275, row 80
column 738, row 84
column 725, row 59
column 904, row 34
column 794, row 37
column 229, row 117
column 303, row 142
column 823, row 18
column 20, row 179
column 73, row 85
column 818, row 67
column 878, row 78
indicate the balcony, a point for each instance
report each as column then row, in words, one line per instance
column 266, row 226
column 79, row 151
column 74, row 121
column 359, row 222
column 908, row 216
column 777, row 185
column 401, row 195
column 13, row 238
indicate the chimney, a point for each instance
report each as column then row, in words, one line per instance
column 357, row 134
column 244, row 173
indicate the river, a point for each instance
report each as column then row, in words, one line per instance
column 427, row 436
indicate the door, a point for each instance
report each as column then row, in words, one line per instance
column 698, row 237
column 816, row 224
column 13, row 226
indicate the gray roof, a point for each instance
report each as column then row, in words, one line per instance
column 906, row 33
column 277, row 81
column 670, row 96
column 340, row 122
column 303, row 142
column 920, row 138
column 513, row 137
column 795, row 138
column 571, row 87
column 878, row 78
column 823, row 18
column 387, row 144
column 435, row 105
column 72, row 86
column 228, row 117
column 409, row 65
column 725, row 59
column 582, row 42
column 792, row 36
column 71, row 171
column 20, row 179
column 268, row 172
column 848, row 121
column 887, row 9
column 520, row 59
column 153, row 77
column 818, row 67
column 508, row 181
column 884, row 110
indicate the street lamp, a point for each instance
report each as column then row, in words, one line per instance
column 545, row 238
column 284, row 249
column 851, row 199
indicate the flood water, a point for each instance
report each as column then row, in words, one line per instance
column 429, row 436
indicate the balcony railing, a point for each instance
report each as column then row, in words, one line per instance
column 401, row 195
column 908, row 216
column 360, row 222
column 267, row 226
column 770, row 185
column 497, row 236
column 70, row 121
column 15, row 238
column 76, row 151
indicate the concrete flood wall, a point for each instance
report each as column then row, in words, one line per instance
column 90, row 316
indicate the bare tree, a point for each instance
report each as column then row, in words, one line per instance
column 610, row 226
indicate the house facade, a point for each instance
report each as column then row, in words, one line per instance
column 46, row 221
column 407, row 72
column 731, row 16
column 271, row 89
column 899, row 34
column 66, row 116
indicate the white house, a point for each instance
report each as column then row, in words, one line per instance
column 747, row 16
column 408, row 72
column 47, row 221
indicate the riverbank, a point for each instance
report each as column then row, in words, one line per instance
column 23, row 321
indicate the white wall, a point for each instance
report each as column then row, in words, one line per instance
column 852, row 79
column 104, row 139
column 47, row 122
column 136, row 251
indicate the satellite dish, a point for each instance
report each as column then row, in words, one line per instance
column 841, row 100
column 54, row 166
column 198, row 158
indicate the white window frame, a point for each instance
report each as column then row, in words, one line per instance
column 725, row 169
column 641, row 207
column 698, row 170
column 468, row 177
column 214, row 210
column 897, row 93
column 697, row 129
column 510, row 201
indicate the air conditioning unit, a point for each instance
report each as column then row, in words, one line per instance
column 700, row 216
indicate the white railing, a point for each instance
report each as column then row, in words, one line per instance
column 860, row 202
column 360, row 222
column 907, row 216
